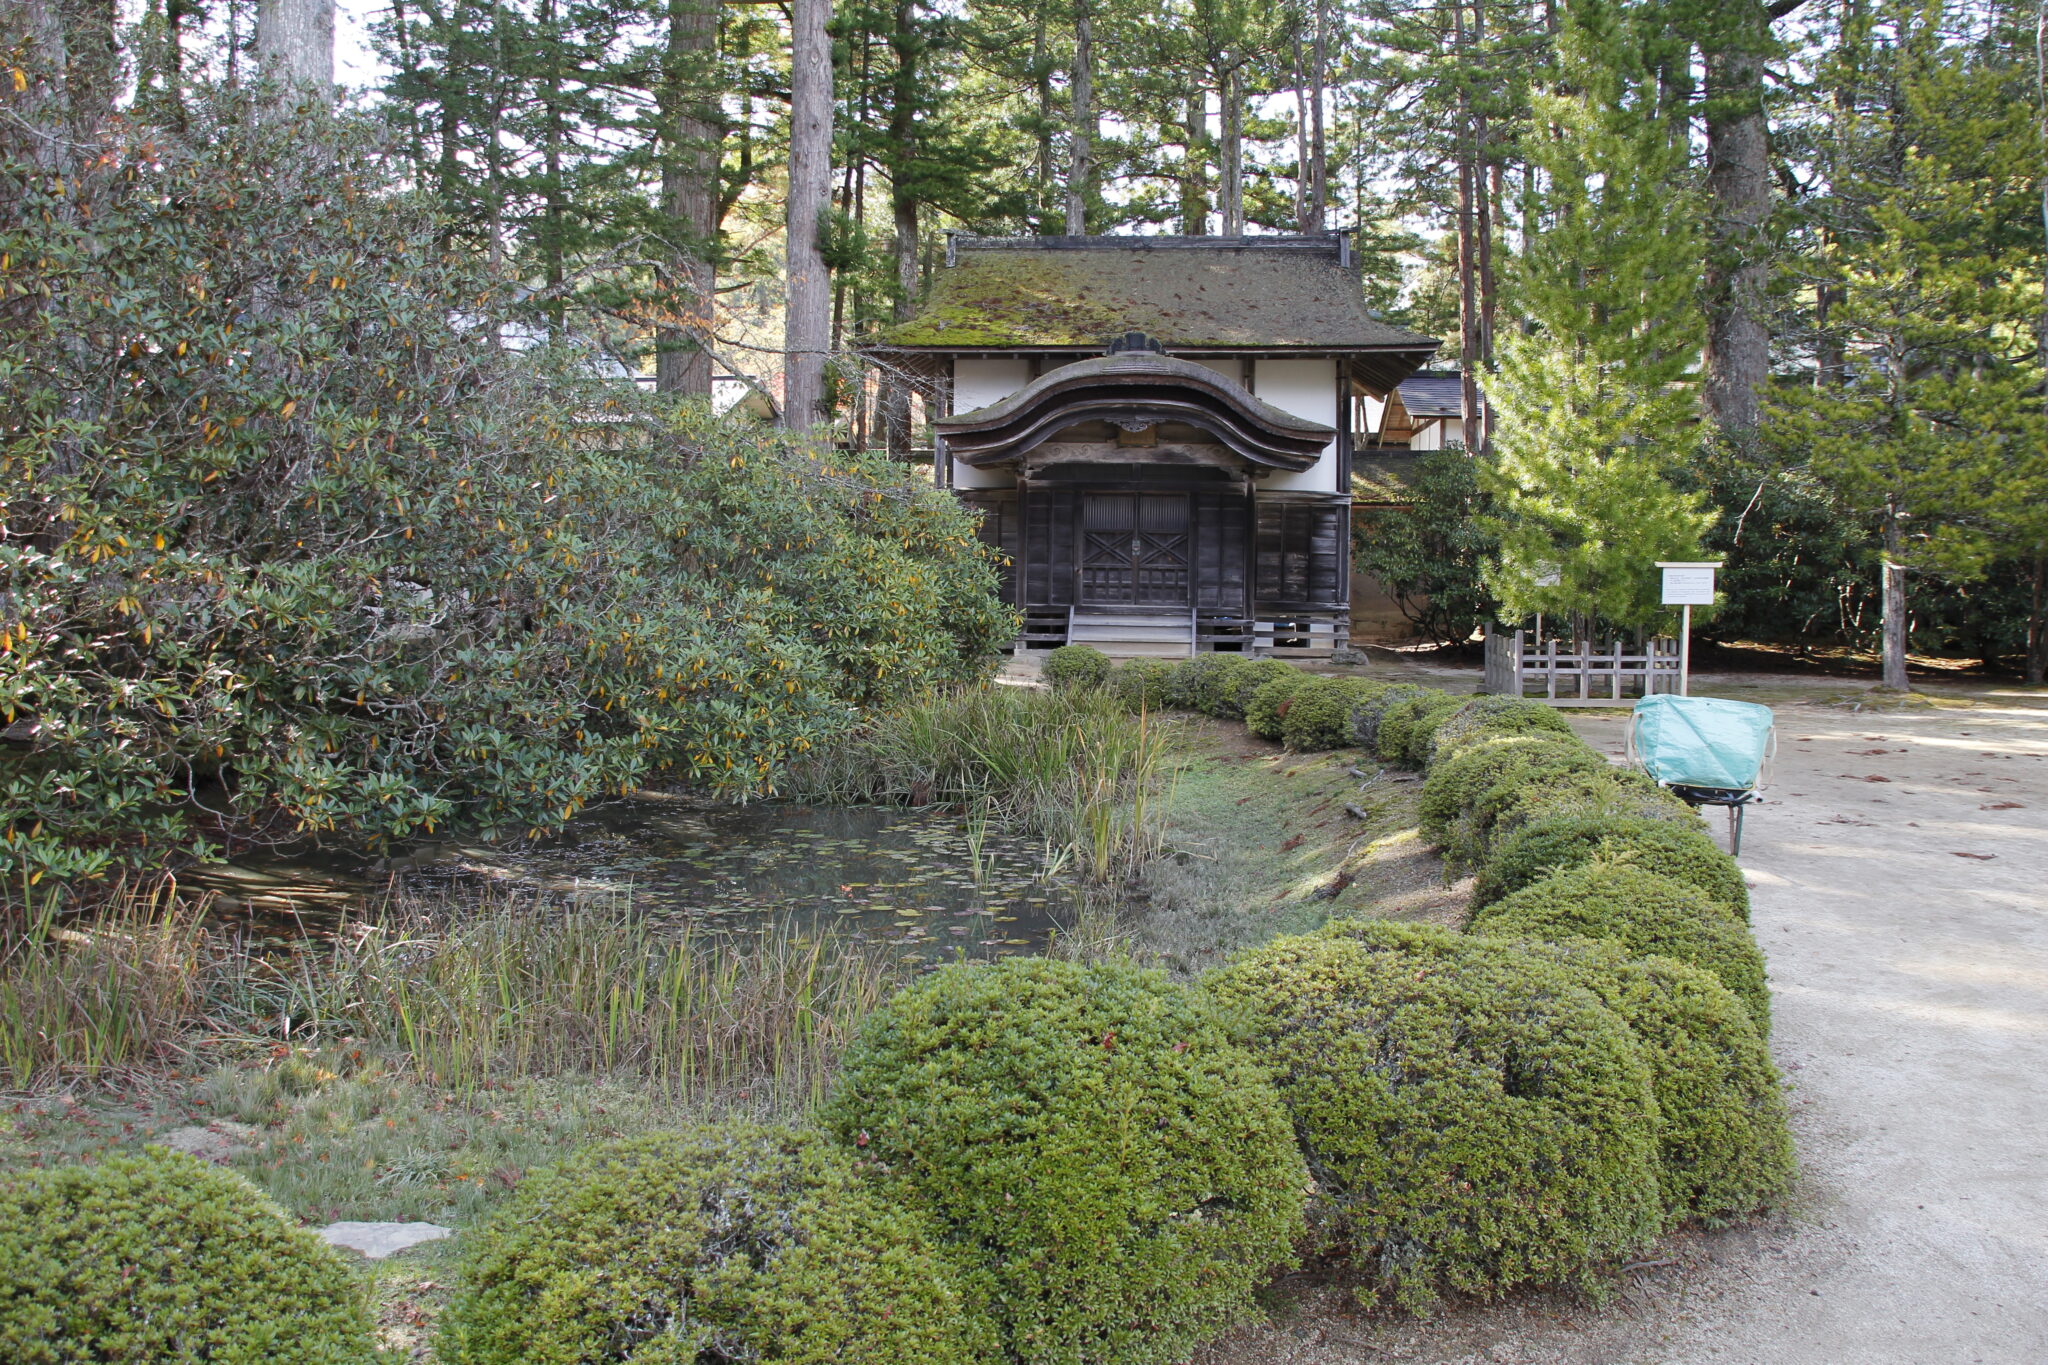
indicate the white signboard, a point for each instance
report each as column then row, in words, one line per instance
column 1689, row 585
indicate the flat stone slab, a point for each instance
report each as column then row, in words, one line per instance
column 217, row 1142
column 378, row 1240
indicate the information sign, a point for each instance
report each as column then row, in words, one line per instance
column 1689, row 585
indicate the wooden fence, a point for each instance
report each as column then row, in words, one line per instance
column 1521, row 663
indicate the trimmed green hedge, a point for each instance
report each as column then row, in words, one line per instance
column 1367, row 716
column 1722, row 1138
column 1475, row 1119
column 1076, row 666
column 1601, row 792
column 1545, row 846
column 1464, row 793
column 1265, row 713
column 1643, row 912
column 1119, row 1174
column 1408, row 727
column 1319, row 717
column 1245, row 683
column 136, row 1260
column 729, row 1243
column 1495, row 717
column 1204, row 682
column 1141, row 684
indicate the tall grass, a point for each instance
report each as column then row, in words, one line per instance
column 1075, row 768
column 456, row 992
column 597, row 990
column 118, row 992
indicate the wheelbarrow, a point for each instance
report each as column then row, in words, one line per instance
column 1708, row 752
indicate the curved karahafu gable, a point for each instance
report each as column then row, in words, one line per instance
column 1135, row 389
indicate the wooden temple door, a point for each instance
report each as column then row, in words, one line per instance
column 1134, row 550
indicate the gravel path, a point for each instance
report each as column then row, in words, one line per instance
column 1900, row 880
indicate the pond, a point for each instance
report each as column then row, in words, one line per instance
column 925, row 885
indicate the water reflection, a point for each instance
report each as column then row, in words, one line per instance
column 926, row 885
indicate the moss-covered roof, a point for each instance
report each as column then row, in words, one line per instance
column 1186, row 293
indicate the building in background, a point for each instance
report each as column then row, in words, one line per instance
column 1159, row 431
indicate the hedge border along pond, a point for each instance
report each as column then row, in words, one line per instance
column 1046, row 1163
column 1586, row 871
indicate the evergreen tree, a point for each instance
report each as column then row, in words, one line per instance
column 1595, row 389
column 1926, row 413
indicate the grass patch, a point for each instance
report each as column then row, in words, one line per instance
column 1256, row 842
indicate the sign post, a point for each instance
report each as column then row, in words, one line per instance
column 1687, row 584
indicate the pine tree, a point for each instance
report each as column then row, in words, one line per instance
column 1596, row 390
column 1927, row 415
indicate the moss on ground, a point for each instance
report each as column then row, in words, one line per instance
column 1259, row 844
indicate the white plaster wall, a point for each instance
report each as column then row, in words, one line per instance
column 1373, row 411
column 1306, row 388
column 1430, row 437
column 977, row 382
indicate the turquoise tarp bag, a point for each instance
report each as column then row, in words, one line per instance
column 1701, row 741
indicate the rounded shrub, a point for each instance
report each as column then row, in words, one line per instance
column 1367, row 715
column 1245, row 683
column 160, row 1257
column 1644, row 913
column 1474, row 1117
column 1140, row 684
column 732, row 1243
column 1407, row 727
column 1685, row 853
column 1605, row 792
column 1075, row 666
column 1265, row 713
column 1495, row 717
column 1319, row 716
column 1464, row 791
column 1194, row 683
column 1556, row 763
column 1724, row 1148
column 1119, row 1173
column 1217, row 684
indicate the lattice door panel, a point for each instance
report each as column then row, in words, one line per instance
column 1135, row 550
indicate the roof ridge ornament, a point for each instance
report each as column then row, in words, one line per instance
column 1134, row 341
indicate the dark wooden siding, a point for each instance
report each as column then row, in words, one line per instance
column 1050, row 523
column 1303, row 552
column 1220, row 550
column 998, row 529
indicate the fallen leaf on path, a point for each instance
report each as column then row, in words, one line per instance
column 2003, row 805
column 1980, row 857
column 1851, row 777
column 1865, row 753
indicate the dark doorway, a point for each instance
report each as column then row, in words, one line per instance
column 1134, row 549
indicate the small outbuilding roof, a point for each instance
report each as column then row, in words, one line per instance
column 1189, row 293
column 1433, row 394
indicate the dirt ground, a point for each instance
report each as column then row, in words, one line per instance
column 1900, row 876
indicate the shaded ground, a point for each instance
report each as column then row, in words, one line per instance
column 1900, row 877
column 1264, row 842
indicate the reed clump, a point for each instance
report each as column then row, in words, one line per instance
column 119, row 990
column 600, row 990
column 456, row 991
column 1073, row 767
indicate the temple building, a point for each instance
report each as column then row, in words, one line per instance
column 1158, row 430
